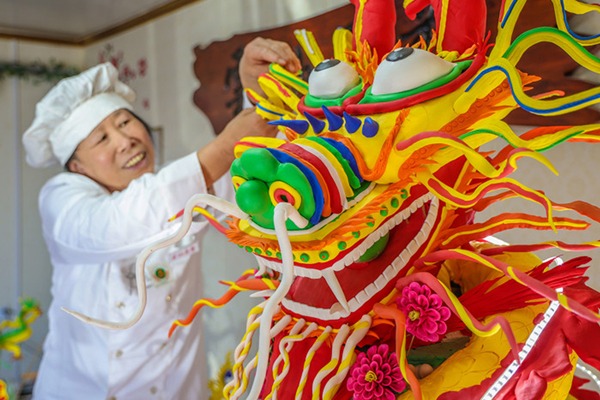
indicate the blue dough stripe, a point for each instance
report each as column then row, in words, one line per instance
column 347, row 154
column 564, row 107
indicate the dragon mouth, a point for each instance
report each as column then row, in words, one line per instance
column 350, row 286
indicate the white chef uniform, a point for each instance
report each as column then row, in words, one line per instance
column 93, row 237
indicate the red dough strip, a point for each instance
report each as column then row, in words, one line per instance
column 308, row 158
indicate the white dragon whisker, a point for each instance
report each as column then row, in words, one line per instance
column 283, row 212
column 210, row 200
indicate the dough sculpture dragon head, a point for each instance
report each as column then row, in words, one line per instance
column 377, row 280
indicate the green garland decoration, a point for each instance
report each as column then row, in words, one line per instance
column 37, row 71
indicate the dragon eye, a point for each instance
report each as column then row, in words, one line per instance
column 332, row 79
column 406, row 68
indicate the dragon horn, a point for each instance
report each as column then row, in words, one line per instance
column 458, row 27
column 375, row 23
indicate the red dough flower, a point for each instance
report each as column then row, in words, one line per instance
column 425, row 312
column 376, row 375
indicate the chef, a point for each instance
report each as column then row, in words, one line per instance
column 107, row 206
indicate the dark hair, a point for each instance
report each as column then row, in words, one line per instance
column 144, row 123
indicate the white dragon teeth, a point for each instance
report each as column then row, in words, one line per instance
column 413, row 207
column 388, row 273
column 361, row 297
column 356, row 253
column 381, row 281
column 343, row 307
column 370, row 290
column 338, row 309
column 336, row 288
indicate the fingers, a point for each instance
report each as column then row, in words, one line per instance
column 257, row 126
column 259, row 54
column 248, row 123
column 286, row 56
column 265, row 51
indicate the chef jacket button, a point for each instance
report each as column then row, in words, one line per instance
column 168, row 298
column 118, row 353
column 120, row 304
column 153, row 390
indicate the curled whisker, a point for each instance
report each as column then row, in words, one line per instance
column 186, row 222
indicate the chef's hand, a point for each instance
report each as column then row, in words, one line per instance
column 216, row 157
column 261, row 52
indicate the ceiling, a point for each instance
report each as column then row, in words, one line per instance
column 77, row 21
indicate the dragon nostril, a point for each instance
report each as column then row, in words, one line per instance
column 283, row 196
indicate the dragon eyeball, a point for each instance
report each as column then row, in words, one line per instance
column 406, row 68
column 332, row 79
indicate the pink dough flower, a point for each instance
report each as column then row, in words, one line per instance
column 425, row 312
column 376, row 375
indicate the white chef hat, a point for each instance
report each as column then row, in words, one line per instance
column 70, row 111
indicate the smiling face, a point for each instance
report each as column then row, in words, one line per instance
column 116, row 152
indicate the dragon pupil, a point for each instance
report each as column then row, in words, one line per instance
column 400, row 54
column 326, row 64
